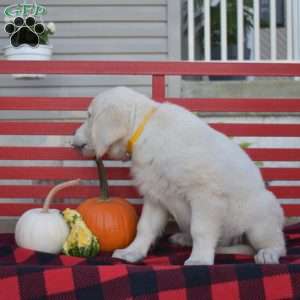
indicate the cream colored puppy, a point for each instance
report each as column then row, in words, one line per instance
column 184, row 168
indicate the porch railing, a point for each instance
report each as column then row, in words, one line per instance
column 291, row 24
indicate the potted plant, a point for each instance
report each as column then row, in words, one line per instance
column 28, row 34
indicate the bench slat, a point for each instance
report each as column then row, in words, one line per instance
column 238, row 105
column 280, row 173
column 271, row 130
column 291, row 210
column 40, row 153
column 83, row 191
column 285, row 192
column 113, row 173
column 38, row 128
column 231, row 129
column 193, row 104
column 274, row 154
column 66, row 153
column 150, row 68
column 15, row 210
column 45, row 103
column 61, row 173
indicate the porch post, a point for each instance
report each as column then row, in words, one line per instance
column 296, row 29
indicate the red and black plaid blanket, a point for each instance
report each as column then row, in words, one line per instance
column 26, row 274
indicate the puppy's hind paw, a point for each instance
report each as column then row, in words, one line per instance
column 128, row 255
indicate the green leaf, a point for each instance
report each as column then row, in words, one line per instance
column 259, row 164
column 245, row 145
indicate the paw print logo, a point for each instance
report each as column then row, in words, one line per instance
column 24, row 31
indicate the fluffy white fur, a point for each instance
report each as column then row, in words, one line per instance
column 185, row 168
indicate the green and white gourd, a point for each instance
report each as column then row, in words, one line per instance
column 81, row 241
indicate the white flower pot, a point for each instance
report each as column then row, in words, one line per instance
column 25, row 52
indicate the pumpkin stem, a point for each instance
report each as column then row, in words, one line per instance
column 104, row 192
column 56, row 189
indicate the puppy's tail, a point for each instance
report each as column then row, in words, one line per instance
column 236, row 249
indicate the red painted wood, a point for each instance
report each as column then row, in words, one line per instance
column 142, row 68
column 45, row 103
column 38, row 128
column 274, row 154
column 17, row 209
column 64, row 128
column 193, row 104
column 61, row 173
column 65, row 173
column 286, row 192
column 281, row 173
column 14, row 210
column 272, row 130
column 43, row 153
column 291, row 210
column 238, row 105
column 158, row 87
column 81, row 191
column 40, row 153
column 150, row 67
column 66, row 153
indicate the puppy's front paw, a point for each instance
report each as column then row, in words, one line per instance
column 267, row 256
column 196, row 262
column 128, row 255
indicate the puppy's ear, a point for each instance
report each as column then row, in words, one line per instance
column 107, row 128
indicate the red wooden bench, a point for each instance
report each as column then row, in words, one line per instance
column 158, row 71
column 12, row 176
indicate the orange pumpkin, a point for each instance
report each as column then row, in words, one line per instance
column 112, row 220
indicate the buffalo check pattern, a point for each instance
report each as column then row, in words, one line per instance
column 25, row 274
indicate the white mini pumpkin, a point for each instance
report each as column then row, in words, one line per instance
column 43, row 229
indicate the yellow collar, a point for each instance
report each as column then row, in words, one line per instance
column 138, row 132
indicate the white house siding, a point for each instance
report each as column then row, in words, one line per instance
column 102, row 30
